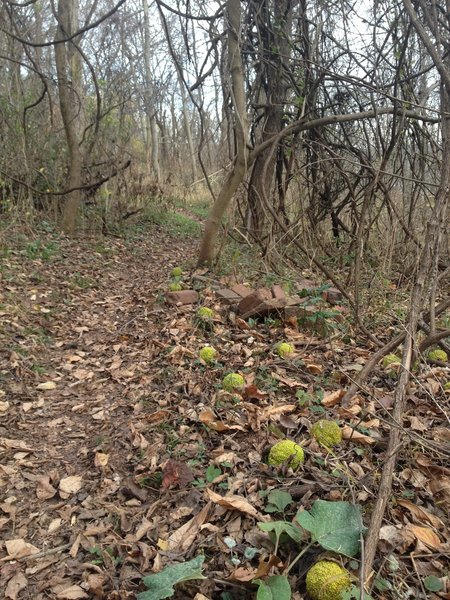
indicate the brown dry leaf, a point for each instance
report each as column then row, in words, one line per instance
column 348, row 433
column 101, row 459
column 425, row 535
column 19, row 548
column 275, row 411
column 183, row 538
column 421, row 514
column 95, row 582
column 15, row 445
column 54, row 525
column 440, row 487
column 4, row 406
column 15, row 585
column 44, row 489
column 176, row 473
column 200, row 597
column 416, row 423
column 138, row 440
column 71, row 484
column 233, row 502
column 291, row 383
column 47, row 385
column 208, row 418
column 441, row 434
column 158, row 416
column 251, row 392
column 74, row 592
column 330, row 400
column 263, row 569
column 314, row 368
column 430, row 468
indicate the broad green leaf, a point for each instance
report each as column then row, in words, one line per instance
column 212, row 472
column 280, row 527
column 161, row 585
column 263, row 592
column 336, row 526
column 433, row 584
column 273, row 588
column 278, row 499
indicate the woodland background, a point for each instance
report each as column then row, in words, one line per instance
column 264, row 142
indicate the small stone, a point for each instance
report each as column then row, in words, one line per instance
column 182, row 297
column 241, row 290
column 333, row 296
column 254, row 299
column 228, row 296
column 278, row 292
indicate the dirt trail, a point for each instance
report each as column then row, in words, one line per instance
column 80, row 345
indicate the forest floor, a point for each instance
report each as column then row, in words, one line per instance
column 121, row 455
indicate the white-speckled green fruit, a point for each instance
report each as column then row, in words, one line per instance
column 327, row 580
column 205, row 314
column 439, row 355
column 285, row 350
column 286, row 450
column 327, row 433
column 233, row 382
column 208, row 354
column 175, row 287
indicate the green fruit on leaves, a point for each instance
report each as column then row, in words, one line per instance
column 205, row 314
column 232, row 382
column 285, row 350
column 175, row 287
column 438, row 355
column 208, row 354
column 177, row 272
column 288, row 452
column 327, row 580
column 390, row 359
column 327, row 433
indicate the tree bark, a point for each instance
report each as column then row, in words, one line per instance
column 240, row 166
column 69, row 73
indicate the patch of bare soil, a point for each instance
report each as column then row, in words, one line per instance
column 121, row 454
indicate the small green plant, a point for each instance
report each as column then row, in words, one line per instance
column 38, row 250
column 314, row 402
column 277, row 501
column 162, row 585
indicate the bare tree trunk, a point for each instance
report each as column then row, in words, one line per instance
column 69, row 71
column 424, row 283
column 240, row 166
column 152, row 140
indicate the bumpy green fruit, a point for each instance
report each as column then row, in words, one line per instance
column 285, row 450
column 205, row 314
column 390, row 359
column 284, row 349
column 232, row 382
column 208, row 354
column 327, row 581
column 177, row 272
column 175, row 287
column 327, row 433
column 447, row 386
column 439, row 355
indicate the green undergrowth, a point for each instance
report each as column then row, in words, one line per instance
column 175, row 223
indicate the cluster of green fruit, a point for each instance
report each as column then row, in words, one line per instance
column 175, row 282
column 391, row 362
column 325, row 432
